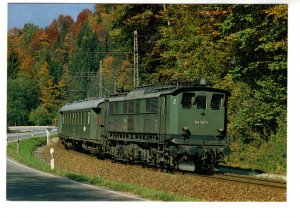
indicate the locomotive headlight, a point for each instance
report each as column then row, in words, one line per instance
column 186, row 131
column 221, row 132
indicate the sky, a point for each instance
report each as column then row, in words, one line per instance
column 41, row 14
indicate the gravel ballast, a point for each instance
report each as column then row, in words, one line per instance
column 200, row 188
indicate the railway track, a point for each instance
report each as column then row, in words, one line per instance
column 243, row 179
column 251, row 180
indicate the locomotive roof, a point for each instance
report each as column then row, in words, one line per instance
column 156, row 91
column 82, row 105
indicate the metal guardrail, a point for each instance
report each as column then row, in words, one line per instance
column 29, row 127
column 32, row 128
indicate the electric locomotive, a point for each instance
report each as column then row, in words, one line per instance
column 173, row 127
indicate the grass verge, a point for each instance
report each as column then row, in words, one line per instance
column 25, row 156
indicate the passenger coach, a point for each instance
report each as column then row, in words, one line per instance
column 81, row 124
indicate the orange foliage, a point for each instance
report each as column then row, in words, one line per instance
column 81, row 18
column 52, row 31
column 40, row 40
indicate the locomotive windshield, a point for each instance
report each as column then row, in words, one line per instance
column 190, row 99
column 216, row 101
column 201, row 102
column 187, row 100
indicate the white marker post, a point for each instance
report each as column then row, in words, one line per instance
column 52, row 158
column 18, row 146
column 48, row 130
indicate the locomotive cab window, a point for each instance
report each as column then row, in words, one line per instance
column 152, row 105
column 186, row 100
column 216, row 101
column 200, row 101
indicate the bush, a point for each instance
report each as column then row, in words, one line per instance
column 40, row 116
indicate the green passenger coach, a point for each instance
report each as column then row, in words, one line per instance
column 81, row 124
column 174, row 127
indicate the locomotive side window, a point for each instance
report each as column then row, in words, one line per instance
column 152, row 105
column 201, row 102
column 116, row 111
column 137, row 106
column 148, row 105
column 131, row 107
column 125, row 107
column 216, row 101
column 186, row 100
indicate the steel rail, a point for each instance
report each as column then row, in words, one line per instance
column 251, row 180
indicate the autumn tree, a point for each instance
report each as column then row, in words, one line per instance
column 258, row 35
column 84, row 63
column 190, row 48
column 146, row 20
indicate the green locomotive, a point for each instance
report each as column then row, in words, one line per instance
column 173, row 127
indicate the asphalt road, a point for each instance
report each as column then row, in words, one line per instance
column 26, row 184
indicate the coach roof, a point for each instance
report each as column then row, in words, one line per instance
column 82, row 105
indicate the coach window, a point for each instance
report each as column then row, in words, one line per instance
column 186, row 100
column 216, row 101
column 111, row 108
column 201, row 102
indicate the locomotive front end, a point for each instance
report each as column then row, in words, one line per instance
column 197, row 127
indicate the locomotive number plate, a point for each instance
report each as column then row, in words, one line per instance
column 201, row 122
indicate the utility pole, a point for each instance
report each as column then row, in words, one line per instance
column 135, row 60
column 100, row 80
